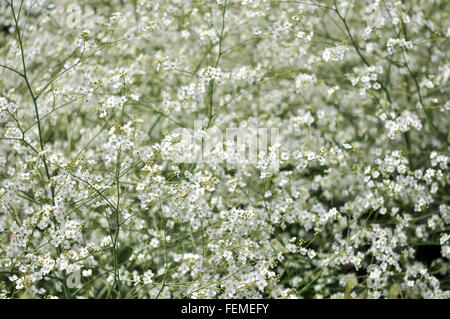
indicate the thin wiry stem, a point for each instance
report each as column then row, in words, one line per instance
column 211, row 89
column 11, row 69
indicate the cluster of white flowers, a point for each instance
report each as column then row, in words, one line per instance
column 334, row 54
column 5, row 109
column 110, row 187
column 403, row 123
column 304, row 79
column 210, row 73
column 398, row 42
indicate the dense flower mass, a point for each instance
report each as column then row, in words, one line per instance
column 348, row 198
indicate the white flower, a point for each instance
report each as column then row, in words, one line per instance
column 334, row 54
column 147, row 277
column 86, row 272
